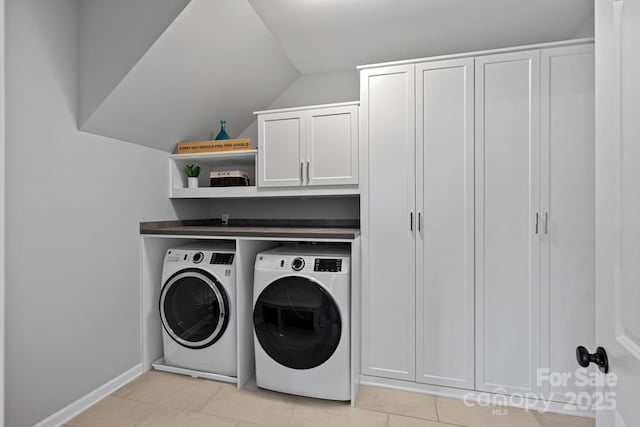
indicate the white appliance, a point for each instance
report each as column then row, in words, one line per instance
column 197, row 308
column 301, row 318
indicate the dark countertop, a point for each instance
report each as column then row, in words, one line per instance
column 319, row 229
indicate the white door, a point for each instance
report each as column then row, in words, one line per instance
column 444, row 246
column 332, row 146
column 567, row 206
column 618, row 204
column 388, row 221
column 507, row 203
column 281, row 142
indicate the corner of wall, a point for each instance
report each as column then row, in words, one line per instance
column 586, row 29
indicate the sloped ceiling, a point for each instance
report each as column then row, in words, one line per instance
column 325, row 35
column 216, row 61
column 114, row 35
column 224, row 59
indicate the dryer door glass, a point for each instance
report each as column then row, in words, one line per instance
column 193, row 308
column 297, row 322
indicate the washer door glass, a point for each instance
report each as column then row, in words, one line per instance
column 194, row 308
column 297, row 322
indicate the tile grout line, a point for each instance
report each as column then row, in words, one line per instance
column 286, row 424
column 426, row 419
column 210, row 400
column 156, row 407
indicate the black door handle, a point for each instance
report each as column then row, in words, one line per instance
column 599, row 358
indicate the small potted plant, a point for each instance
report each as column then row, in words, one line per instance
column 192, row 172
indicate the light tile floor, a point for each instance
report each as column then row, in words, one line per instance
column 158, row 399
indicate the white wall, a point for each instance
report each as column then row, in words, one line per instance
column 586, row 29
column 303, row 208
column 73, row 203
column 2, row 207
column 114, row 35
column 320, row 88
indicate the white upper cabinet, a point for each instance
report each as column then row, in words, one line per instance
column 281, row 144
column 507, row 205
column 444, row 246
column 332, row 146
column 388, row 221
column 315, row 147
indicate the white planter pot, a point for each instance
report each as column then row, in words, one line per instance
column 192, row 182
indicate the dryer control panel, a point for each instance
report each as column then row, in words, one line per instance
column 303, row 264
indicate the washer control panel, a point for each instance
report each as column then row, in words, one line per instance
column 297, row 264
column 221, row 258
column 192, row 257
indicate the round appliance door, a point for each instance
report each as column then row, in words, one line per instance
column 194, row 308
column 297, row 322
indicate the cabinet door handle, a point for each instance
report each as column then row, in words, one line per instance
column 301, row 174
column 599, row 358
column 536, row 223
column 411, row 220
column 308, row 167
column 419, row 221
column 545, row 218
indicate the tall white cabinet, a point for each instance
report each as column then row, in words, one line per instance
column 418, row 222
column 507, row 221
column 444, row 295
column 477, row 218
column 388, row 213
column 567, row 198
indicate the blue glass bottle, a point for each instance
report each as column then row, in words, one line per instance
column 223, row 133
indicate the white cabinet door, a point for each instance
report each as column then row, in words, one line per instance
column 445, row 252
column 568, row 208
column 281, row 142
column 507, row 196
column 388, row 221
column 618, row 207
column 332, row 146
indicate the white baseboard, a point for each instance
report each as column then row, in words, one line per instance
column 70, row 411
column 474, row 396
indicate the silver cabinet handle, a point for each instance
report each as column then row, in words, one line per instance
column 545, row 218
column 411, row 220
column 536, row 223
column 419, row 221
column 301, row 168
column 308, row 167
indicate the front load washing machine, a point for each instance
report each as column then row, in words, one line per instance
column 197, row 308
column 301, row 320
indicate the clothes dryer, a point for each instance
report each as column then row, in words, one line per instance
column 301, row 320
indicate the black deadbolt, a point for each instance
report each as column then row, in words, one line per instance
column 599, row 358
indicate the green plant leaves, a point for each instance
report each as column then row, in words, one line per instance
column 192, row 170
